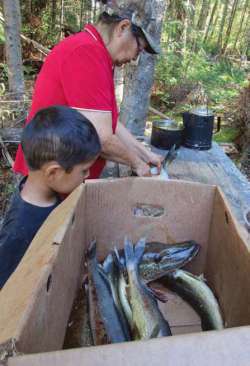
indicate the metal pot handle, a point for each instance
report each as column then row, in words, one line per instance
column 218, row 124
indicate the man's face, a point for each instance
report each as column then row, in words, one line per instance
column 129, row 46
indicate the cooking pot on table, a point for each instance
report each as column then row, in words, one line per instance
column 199, row 128
column 165, row 134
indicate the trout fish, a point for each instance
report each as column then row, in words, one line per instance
column 196, row 292
column 147, row 318
column 106, row 305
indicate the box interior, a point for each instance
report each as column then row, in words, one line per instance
column 37, row 300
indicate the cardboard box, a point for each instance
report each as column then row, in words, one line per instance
column 36, row 301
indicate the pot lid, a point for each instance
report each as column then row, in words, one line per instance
column 166, row 124
column 202, row 111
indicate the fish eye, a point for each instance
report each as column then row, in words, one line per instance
column 157, row 258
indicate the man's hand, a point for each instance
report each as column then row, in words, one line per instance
column 155, row 159
column 141, row 169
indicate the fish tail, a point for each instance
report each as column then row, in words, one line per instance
column 133, row 254
column 108, row 264
column 91, row 250
column 118, row 260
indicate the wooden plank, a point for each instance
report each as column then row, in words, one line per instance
column 11, row 134
column 213, row 167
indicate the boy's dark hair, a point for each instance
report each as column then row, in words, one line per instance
column 61, row 134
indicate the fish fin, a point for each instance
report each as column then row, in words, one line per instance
column 171, row 155
column 140, row 248
column 155, row 331
column 159, row 294
column 202, row 277
column 117, row 259
column 128, row 251
column 91, row 250
column 133, row 254
column 108, row 263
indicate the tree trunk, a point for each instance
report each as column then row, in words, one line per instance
column 230, row 24
column 244, row 45
column 62, row 19
column 13, row 46
column 186, row 26
column 214, row 27
column 222, row 24
column 53, row 13
column 210, row 21
column 81, row 15
column 192, row 12
column 203, row 15
column 242, row 18
column 139, row 79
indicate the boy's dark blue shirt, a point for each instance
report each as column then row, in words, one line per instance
column 19, row 227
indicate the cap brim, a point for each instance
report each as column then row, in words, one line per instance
column 151, row 47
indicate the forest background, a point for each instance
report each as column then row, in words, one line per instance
column 205, row 59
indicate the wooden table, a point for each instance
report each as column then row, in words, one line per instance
column 213, row 167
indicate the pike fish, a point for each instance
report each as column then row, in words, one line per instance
column 171, row 256
column 117, row 284
column 148, row 321
column 196, row 292
column 123, row 289
column 106, row 305
column 170, row 156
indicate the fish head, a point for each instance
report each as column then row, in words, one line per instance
column 184, row 251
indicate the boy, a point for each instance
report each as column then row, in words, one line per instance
column 59, row 145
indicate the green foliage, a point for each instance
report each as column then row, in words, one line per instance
column 3, row 73
column 226, row 134
column 220, row 79
column 2, row 38
column 43, row 34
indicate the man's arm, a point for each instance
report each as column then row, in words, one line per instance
column 145, row 154
column 113, row 148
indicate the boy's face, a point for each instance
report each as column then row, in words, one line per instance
column 65, row 183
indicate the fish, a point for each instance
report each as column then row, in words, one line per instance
column 197, row 293
column 107, row 308
column 147, row 318
column 155, row 265
column 123, row 289
column 168, row 159
column 97, row 327
column 114, row 274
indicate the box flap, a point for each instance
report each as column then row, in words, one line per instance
column 229, row 347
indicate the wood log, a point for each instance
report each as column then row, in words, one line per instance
column 11, row 134
column 45, row 51
column 158, row 113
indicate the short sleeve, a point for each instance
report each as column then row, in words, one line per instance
column 85, row 75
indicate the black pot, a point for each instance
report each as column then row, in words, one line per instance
column 165, row 134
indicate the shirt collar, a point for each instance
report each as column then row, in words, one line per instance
column 97, row 37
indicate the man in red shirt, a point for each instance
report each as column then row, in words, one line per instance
column 79, row 73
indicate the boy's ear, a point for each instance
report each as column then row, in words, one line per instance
column 52, row 170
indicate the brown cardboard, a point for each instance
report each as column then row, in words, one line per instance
column 24, row 301
column 35, row 310
column 230, row 347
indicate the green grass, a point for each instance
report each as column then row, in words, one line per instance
column 226, row 134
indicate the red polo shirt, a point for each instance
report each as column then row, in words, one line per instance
column 77, row 73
